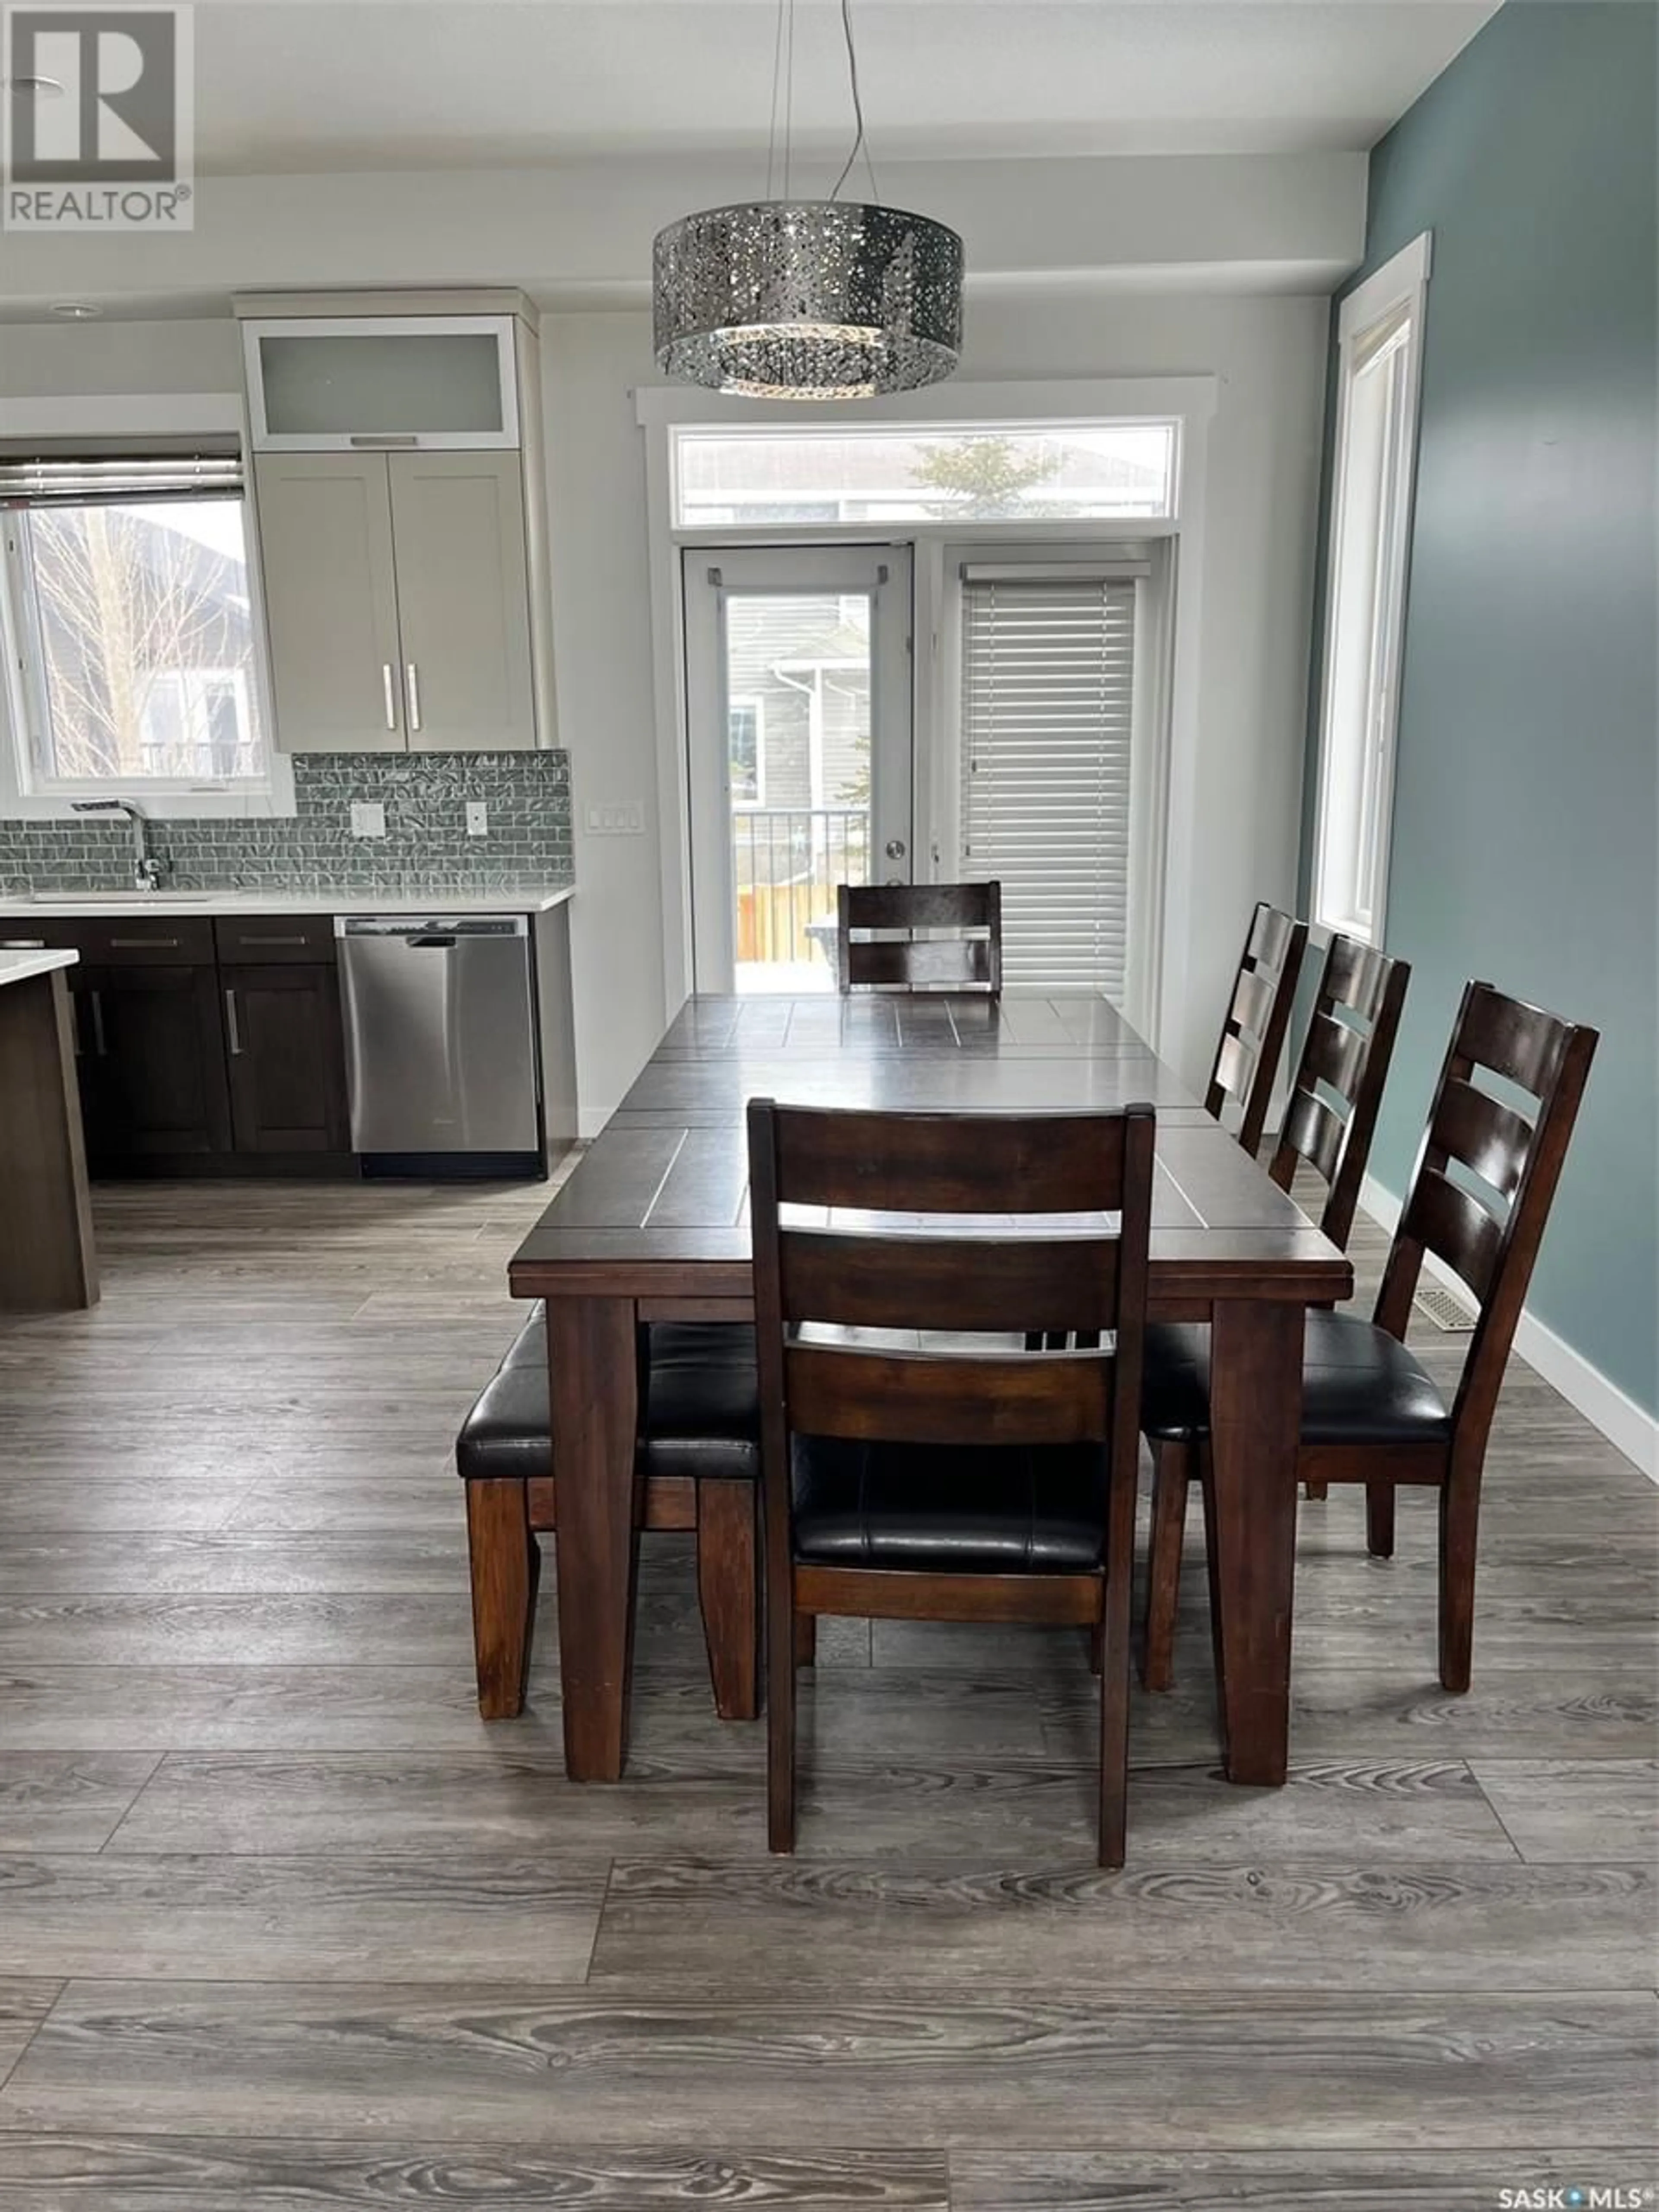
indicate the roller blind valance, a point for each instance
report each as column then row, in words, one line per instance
column 42, row 477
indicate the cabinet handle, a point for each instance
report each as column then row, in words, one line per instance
column 232, row 1025
column 382, row 441
column 98, row 1037
column 245, row 939
column 143, row 944
column 414, row 695
column 391, row 695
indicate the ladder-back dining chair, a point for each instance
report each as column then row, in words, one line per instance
column 1485, row 1177
column 1258, row 1014
column 1328, row 1127
column 868, row 952
column 925, row 1476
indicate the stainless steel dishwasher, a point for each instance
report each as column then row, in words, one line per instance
column 440, row 1045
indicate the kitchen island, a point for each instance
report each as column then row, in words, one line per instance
column 46, row 1259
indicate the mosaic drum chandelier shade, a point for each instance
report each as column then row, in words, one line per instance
column 807, row 299
column 794, row 298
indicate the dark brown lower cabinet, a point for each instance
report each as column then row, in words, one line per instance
column 208, row 1048
column 152, row 1062
column 286, row 1059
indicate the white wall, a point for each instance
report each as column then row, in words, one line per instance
column 1268, row 354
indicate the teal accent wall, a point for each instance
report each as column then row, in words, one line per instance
column 1526, row 835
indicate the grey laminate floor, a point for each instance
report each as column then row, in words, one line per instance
column 283, row 1925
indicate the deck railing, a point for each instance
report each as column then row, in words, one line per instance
column 787, row 863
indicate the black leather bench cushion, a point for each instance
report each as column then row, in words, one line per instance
column 1359, row 1386
column 934, row 1509
column 700, row 1414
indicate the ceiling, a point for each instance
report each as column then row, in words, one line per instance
column 299, row 85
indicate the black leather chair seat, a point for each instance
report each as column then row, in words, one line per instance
column 940, row 1511
column 1359, row 1386
column 700, row 1414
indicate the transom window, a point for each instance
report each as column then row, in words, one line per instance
column 130, row 628
column 1072, row 472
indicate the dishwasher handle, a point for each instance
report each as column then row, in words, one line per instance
column 432, row 940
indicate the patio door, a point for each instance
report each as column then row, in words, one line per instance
column 798, row 723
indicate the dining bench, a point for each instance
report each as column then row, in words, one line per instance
column 698, row 1461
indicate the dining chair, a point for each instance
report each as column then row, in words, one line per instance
column 1485, row 1177
column 971, row 960
column 1258, row 1014
column 915, row 1463
column 1328, row 1127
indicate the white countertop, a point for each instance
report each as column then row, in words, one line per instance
column 16, row 907
column 18, row 967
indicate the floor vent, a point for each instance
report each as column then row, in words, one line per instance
column 1445, row 1309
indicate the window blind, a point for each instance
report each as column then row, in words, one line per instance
column 53, row 479
column 1047, row 699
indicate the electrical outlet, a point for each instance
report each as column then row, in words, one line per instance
column 368, row 817
column 624, row 820
column 477, row 818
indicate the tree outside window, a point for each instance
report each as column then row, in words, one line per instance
column 141, row 624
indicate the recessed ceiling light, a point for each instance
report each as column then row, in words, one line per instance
column 42, row 87
column 77, row 311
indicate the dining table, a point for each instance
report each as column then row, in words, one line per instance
column 653, row 1225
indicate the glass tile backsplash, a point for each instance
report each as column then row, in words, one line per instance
column 426, row 846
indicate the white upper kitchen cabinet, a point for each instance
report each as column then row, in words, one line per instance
column 462, row 597
column 399, row 480
column 331, row 599
column 396, row 601
column 342, row 383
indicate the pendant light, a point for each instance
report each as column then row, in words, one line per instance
column 791, row 298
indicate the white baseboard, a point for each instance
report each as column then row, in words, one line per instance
column 1624, row 1424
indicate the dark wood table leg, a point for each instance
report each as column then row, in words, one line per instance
column 506, row 1562
column 595, row 1392
column 1255, row 1415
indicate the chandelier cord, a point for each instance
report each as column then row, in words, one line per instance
column 860, row 140
column 789, row 98
column 777, row 85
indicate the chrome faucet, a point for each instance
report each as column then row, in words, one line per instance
column 148, row 869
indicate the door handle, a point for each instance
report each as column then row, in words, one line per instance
column 391, row 695
column 233, row 1026
column 414, row 695
column 98, row 1037
column 895, row 848
column 384, row 441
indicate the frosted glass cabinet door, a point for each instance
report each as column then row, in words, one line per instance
column 331, row 601
column 382, row 383
column 463, row 601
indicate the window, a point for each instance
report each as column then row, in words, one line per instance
column 991, row 472
column 1380, row 339
column 745, row 744
column 1047, row 703
column 130, row 628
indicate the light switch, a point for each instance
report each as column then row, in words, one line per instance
column 368, row 817
column 626, row 819
column 477, row 818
